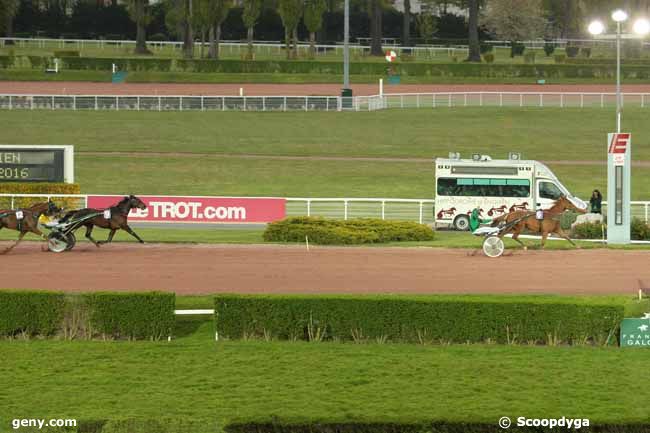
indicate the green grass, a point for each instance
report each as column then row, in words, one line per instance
column 543, row 134
column 194, row 378
column 550, row 133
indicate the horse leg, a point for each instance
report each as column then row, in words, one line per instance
column 110, row 237
column 89, row 230
column 132, row 233
column 563, row 235
column 515, row 237
column 20, row 238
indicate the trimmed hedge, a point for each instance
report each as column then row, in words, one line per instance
column 454, row 69
column 639, row 230
column 132, row 315
column 37, row 188
column 588, row 231
column 30, row 312
column 339, row 232
column 116, row 315
column 606, row 61
column 430, row 319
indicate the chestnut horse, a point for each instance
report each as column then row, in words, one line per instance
column 29, row 221
column 118, row 218
column 550, row 223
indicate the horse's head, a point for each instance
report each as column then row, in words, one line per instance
column 570, row 203
column 135, row 202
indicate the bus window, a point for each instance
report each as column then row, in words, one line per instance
column 482, row 187
column 549, row 190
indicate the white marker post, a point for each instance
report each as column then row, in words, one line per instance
column 381, row 87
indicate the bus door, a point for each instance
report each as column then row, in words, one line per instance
column 547, row 193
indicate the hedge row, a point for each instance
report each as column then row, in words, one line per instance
column 31, row 312
column 357, row 68
column 339, row 232
column 445, row 319
column 114, row 315
column 37, row 188
column 639, row 230
column 606, row 61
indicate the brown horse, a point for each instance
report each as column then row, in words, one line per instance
column 117, row 218
column 550, row 223
column 26, row 220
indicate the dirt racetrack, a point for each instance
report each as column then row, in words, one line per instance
column 195, row 269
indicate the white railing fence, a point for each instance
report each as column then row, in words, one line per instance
column 500, row 99
column 277, row 48
column 234, row 49
column 420, row 210
column 175, row 103
column 320, row 103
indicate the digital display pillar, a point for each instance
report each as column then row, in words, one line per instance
column 619, row 166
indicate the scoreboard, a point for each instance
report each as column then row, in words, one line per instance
column 36, row 163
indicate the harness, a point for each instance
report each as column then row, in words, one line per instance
column 19, row 217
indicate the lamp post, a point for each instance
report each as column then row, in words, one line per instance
column 619, row 144
column 346, row 92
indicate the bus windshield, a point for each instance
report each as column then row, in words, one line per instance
column 483, row 187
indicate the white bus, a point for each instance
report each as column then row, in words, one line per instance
column 496, row 187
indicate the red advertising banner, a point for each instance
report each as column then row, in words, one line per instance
column 199, row 209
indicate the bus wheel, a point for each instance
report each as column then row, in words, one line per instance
column 461, row 223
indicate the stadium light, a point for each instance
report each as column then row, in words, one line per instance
column 641, row 26
column 596, row 27
column 619, row 15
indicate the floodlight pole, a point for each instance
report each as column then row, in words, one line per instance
column 618, row 76
column 346, row 46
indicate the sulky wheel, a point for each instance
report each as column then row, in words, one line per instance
column 56, row 242
column 71, row 240
column 493, row 246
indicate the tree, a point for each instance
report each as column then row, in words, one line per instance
column 217, row 13
column 250, row 15
column 290, row 11
column 515, row 20
column 425, row 21
column 474, row 47
column 375, row 12
column 8, row 10
column 202, row 21
column 180, row 20
column 313, row 19
column 138, row 10
column 406, row 24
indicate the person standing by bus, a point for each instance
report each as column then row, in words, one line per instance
column 595, row 202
